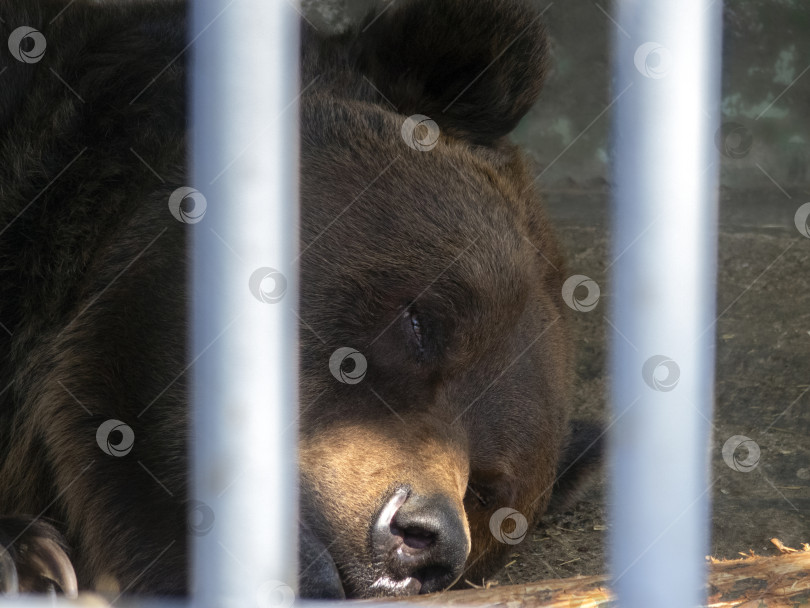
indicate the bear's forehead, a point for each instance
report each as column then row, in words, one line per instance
column 355, row 156
column 434, row 223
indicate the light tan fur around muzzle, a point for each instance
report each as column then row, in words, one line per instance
column 352, row 468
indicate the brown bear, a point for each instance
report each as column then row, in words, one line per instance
column 424, row 248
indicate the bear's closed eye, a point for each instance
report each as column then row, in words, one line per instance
column 414, row 329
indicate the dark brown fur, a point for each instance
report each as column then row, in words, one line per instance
column 93, row 297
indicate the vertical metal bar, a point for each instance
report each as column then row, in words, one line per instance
column 244, row 131
column 662, row 352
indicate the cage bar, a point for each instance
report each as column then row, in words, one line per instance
column 244, row 135
column 663, row 306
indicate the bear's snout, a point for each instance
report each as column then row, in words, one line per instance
column 420, row 543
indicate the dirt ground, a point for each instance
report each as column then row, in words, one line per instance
column 762, row 382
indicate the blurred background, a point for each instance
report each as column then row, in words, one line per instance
column 763, row 327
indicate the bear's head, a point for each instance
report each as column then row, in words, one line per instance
column 436, row 359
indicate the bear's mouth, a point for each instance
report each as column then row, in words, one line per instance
column 388, row 586
column 411, row 585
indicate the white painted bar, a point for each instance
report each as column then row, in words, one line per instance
column 244, row 135
column 663, row 297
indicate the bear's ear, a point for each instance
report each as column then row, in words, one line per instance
column 475, row 68
column 581, row 459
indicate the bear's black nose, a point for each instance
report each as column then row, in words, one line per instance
column 420, row 544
